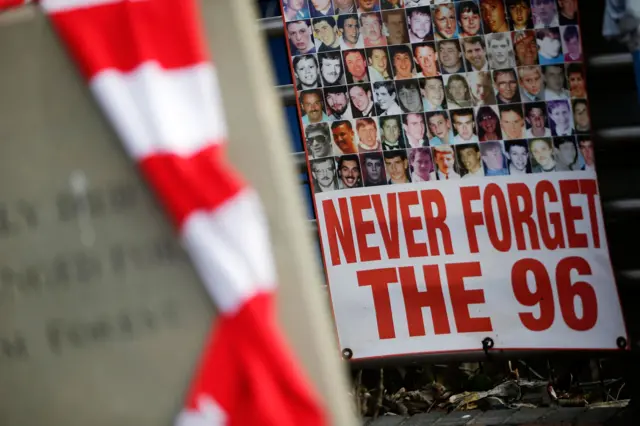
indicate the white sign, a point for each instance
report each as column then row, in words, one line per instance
column 439, row 266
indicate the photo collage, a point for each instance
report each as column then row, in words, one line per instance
column 400, row 91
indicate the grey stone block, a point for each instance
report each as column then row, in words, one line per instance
column 566, row 415
column 528, row 415
column 458, row 418
column 424, row 419
column 594, row 416
column 492, row 418
column 387, row 421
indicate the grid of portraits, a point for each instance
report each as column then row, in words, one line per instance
column 399, row 91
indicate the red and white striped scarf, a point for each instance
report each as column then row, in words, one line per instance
column 147, row 65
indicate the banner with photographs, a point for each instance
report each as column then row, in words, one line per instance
column 398, row 97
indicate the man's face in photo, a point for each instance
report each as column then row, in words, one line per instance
column 312, row 106
column 519, row 157
column 439, row 126
column 360, row 98
column 420, row 23
column 350, row 173
column 542, row 153
column 396, row 167
column 464, row 125
column 531, row 80
column 444, row 17
column 368, row 134
column 561, row 116
column 396, row 27
column 410, row 98
column 554, row 77
column 371, row 27
column 422, row 164
column 300, row 36
column 307, row 71
column 550, row 46
column 391, row 130
column 415, row 126
column 581, row 115
column 338, row 102
column 426, row 57
column 507, row 85
column 573, row 46
column 576, row 85
column 355, row 63
column 324, row 172
column 343, row 138
column 319, row 144
column 568, row 7
column 567, row 151
column 494, row 15
column 586, row 149
column 325, row 33
column 445, row 161
column 351, row 31
column 526, row 48
column 343, row 4
column 512, row 124
column 378, row 60
column 537, row 120
column 374, row 169
column 331, row 70
column 449, row 54
column 384, row 99
column 500, row 50
column 475, row 54
column 520, row 13
column 492, row 157
column 403, row 65
column 321, row 4
column 368, row 5
column 294, row 4
column 434, row 91
column 545, row 10
column 470, row 158
column 470, row 23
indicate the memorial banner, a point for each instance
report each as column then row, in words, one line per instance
column 450, row 155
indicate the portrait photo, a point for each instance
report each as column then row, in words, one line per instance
column 391, row 133
column 349, row 27
column 306, row 72
column 419, row 24
column 409, row 95
column 386, row 98
column 295, row 10
column 581, row 118
column 439, row 128
column 372, row 168
column 402, row 62
column 560, row 118
column 517, row 151
column 537, row 121
column 469, row 160
column 512, row 121
column 325, row 31
column 494, row 159
column 318, row 139
column 344, row 137
column 475, row 54
column 323, row 175
column 481, row 86
column 488, row 120
column 426, row 59
column 445, row 164
column 395, row 27
column 531, row 83
column 349, row 174
column 337, row 103
column 320, row 8
column 415, row 130
column 378, row 64
column 368, row 136
column 500, row 51
column 445, row 23
column 331, row 69
column 464, row 126
column 396, row 165
column 312, row 107
column 576, row 78
column 494, row 16
column 371, row 27
column 420, row 164
column 355, row 63
column 526, row 47
column 543, row 156
column 568, row 12
column 433, row 94
column 392, row 4
column 571, row 44
column 300, row 36
column 549, row 46
column 457, row 91
column 555, row 83
column 519, row 14
column 469, row 20
column 545, row 13
column 361, row 97
column 368, row 6
column 450, row 56
column 568, row 155
column 585, row 145
column 345, row 7
column 505, row 82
